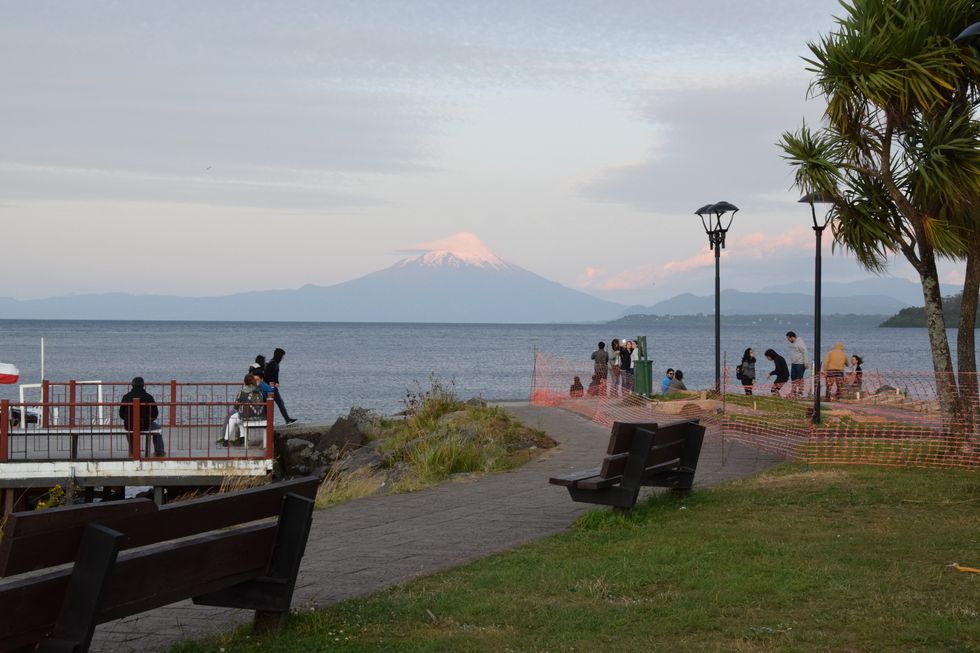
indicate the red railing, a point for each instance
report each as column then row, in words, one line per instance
column 68, row 425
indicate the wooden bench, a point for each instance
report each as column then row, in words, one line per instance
column 639, row 454
column 132, row 556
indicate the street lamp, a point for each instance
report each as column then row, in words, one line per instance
column 818, row 226
column 970, row 35
column 710, row 215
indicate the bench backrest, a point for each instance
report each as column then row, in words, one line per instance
column 670, row 444
column 40, row 539
column 198, row 555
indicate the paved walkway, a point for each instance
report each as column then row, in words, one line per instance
column 363, row 546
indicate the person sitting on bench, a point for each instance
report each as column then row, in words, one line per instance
column 249, row 405
column 147, row 417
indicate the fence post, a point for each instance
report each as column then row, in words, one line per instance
column 136, row 445
column 173, row 402
column 5, row 426
column 270, row 431
column 45, row 400
column 71, row 403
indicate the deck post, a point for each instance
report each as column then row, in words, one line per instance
column 45, row 400
column 5, row 426
column 136, row 443
column 173, row 402
column 270, row 431
column 71, row 402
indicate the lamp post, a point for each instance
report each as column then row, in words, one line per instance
column 812, row 199
column 710, row 215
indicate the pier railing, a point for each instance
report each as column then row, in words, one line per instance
column 81, row 421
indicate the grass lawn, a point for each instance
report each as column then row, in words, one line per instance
column 823, row 559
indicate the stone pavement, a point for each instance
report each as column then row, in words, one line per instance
column 363, row 546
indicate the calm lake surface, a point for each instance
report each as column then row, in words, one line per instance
column 330, row 367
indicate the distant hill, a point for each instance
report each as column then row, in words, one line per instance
column 462, row 282
column 736, row 302
column 779, row 320
column 916, row 316
column 907, row 292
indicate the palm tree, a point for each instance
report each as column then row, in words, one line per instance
column 899, row 150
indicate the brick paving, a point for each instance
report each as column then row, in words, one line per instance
column 366, row 545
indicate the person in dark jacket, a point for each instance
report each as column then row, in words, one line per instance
column 748, row 370
column 147, row 416
column 781, row 372
column 272, row 378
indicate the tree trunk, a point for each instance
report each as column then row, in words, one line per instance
column 966, row 353
column 942, row 359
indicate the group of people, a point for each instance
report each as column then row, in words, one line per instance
column 612, row 370
column 799, row 361
column 261, row 379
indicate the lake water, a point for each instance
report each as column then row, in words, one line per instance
column 330, row 367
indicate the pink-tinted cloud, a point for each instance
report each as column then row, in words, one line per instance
column 755, row 246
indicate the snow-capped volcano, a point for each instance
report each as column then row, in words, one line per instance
column 453, row 280
column 459, row 250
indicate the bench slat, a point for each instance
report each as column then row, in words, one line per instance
column 140, row 581
column 599, row 482
column 41, row 539
column 573, row 477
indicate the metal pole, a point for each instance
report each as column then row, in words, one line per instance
column 717, row 241
column 818, row 230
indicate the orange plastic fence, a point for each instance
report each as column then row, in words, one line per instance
column 880, row 418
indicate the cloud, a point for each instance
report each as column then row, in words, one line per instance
column 754, row 250
column 719, row 144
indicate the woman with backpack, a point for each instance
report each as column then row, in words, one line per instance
column 248, row 405
column 745, row 372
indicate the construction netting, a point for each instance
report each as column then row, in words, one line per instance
column 873, row 417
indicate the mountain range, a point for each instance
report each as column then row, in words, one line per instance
column 465, row 282
column 460, row 281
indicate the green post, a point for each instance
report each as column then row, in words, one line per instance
column 643, row 371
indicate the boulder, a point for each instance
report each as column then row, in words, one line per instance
column 299, row 458
column 478, row 402
column 359, row 459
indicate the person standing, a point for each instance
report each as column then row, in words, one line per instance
column 600, row 358
column 781, row 372
column 747, row 370
column 272, row 378
column 627, row 353
column 615, row 368
column 147, row 416
column 833, row 366
column 799, row 360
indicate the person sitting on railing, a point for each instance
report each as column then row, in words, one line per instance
column 250, row 404
column 147, row 417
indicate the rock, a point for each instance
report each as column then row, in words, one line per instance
column 365, row 422
column 359, row 459
column 478, row 402
column 395, row 474
column 299, row 458
column 886, row 389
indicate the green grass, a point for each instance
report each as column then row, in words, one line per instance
column 836, row 559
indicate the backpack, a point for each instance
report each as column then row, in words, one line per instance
column 251, row 405
column 738, row 372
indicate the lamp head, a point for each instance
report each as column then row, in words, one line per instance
column 971, row 35
column 721, row 208
column 817, row 197
column 704, row 210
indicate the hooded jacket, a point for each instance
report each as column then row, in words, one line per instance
column 836, row 359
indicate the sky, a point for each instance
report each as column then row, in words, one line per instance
column 203, row 148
